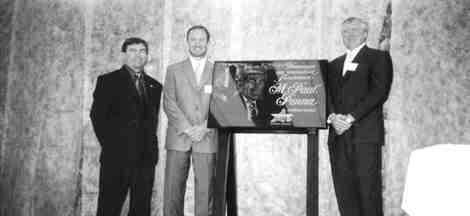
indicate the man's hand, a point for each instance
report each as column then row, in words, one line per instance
column 197, row 133
column 201, row 132
column 191, row 133
column 341, row 123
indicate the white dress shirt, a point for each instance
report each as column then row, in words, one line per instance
column 350, row 55
column 198, row 67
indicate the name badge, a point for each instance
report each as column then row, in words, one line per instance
column 351, row 66
column 208, row 89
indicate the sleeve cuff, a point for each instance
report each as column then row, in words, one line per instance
column 330, row 118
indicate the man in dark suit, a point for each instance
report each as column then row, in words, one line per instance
column 125, row 117
column 358, row 85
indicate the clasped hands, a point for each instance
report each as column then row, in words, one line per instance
column 341, row 122
column 196, row 133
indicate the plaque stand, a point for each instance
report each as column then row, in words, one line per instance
column 225, row 196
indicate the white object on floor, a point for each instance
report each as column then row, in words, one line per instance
column 438, row 181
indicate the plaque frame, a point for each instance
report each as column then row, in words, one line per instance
column 225, row 189
column 323, row 66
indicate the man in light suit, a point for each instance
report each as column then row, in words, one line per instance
column 186, row 103
column 358, row 85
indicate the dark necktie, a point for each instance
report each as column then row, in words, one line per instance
column 252, row 109
column 139, row 84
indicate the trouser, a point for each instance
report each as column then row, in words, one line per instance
column 356, row 169
column 114, row 183
column 176, row 174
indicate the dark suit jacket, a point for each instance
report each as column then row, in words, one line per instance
column 124, row 124
column 361, row 93
column 266, row 107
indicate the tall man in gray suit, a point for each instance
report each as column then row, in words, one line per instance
column 186, row 103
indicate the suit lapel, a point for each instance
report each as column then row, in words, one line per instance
column 190, row 74
column 359, row 58
column 126, row 76
column 338, row 73
column 360, row 55
column 149, row 88
column 341, row 65
column 206, row 79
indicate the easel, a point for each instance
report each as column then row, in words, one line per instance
column 225, row 200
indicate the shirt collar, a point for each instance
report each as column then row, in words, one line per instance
column 354, row 51
column 248, row 100
column 132, row 72
column 197, row 60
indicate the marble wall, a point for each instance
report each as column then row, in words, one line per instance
column 430, row 99
column 6, row 15
column 433, row 47
column 42, row 141
column 54, row 50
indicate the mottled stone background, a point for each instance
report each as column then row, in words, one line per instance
column 53, row 51
column 42, row 138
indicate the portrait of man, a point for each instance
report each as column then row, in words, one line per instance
column 253, row 91
column 244, row 101
column 124, row 115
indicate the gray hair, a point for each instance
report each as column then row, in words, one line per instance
column 356, row 20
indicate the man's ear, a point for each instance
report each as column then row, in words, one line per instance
column 122, row 57
column 210, row 43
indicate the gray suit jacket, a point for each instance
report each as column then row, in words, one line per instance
column 186, row 105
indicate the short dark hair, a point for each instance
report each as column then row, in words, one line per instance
column 198, row 27
column 134, row 40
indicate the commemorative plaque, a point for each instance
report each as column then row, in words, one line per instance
column 268, row 94
column 283, row 96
